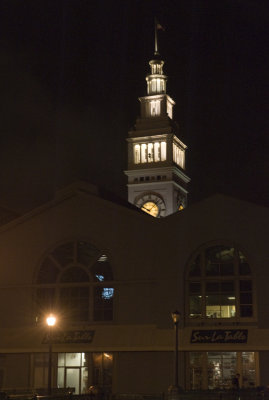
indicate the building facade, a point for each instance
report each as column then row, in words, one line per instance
column 112, row 275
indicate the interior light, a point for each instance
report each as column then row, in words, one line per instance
column 100, row 277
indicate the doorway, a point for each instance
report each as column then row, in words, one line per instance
column 72, row 371
column 72, row 379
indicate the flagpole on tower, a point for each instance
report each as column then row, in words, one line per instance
column 157, row 27
column 156, row 52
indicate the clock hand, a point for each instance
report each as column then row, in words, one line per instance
column 154, row 205
column 146, row 209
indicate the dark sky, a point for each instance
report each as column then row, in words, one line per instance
column 71, row 72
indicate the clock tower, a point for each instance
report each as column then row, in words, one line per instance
column 157, row 182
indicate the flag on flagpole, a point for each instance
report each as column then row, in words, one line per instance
column 159, row 26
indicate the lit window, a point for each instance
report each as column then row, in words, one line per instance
column 157, row 151
column 150, row 152
column 163, row 151
column 74, row 271
column 137, row 154
column 158, row 85
column 178, row 156
column 144, row 153
column 219, row 284
column 155, row 108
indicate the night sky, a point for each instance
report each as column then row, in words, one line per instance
column 71, row 73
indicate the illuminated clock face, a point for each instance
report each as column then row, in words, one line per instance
column 151, row 204
column 151, row 208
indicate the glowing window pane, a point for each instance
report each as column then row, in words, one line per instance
column 143, row 153
column 155, row 108
column 150, row 152
column 153, row 85
column 157, row 154
column 158, row 84
column 137, row 154
column 178, row 156
column 163, row 151
column 107, row 293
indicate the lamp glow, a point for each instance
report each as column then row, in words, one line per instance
column 51, row 320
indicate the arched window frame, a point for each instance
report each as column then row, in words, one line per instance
column 95, row 291
column 203, row 279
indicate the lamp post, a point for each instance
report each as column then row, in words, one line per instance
column 51, row 321
column 174, row 389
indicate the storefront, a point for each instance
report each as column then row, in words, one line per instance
column 215, row 356
column 216, row 369
column 77, row 371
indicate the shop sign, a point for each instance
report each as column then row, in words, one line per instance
column 220, row 336
column 69, row 337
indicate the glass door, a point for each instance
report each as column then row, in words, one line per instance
column 221, row 369
column 72, row 379
column 73, row 371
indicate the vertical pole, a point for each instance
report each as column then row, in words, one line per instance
column 50, row 363
column 156, row 53
column 174, row 390
column 176, row 354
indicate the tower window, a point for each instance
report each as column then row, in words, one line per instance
column 149, row 152
column 178, row 155
column 137, row 154
column 163, row 151
column 144, row 153
column 157, row 151
column 155, row 108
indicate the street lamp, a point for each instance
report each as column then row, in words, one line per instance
column 51, row 321
column 174, row 389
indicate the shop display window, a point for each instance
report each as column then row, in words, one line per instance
column 215, row 370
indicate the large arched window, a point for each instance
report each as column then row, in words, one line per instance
column 75, row 279
column 219, row 284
